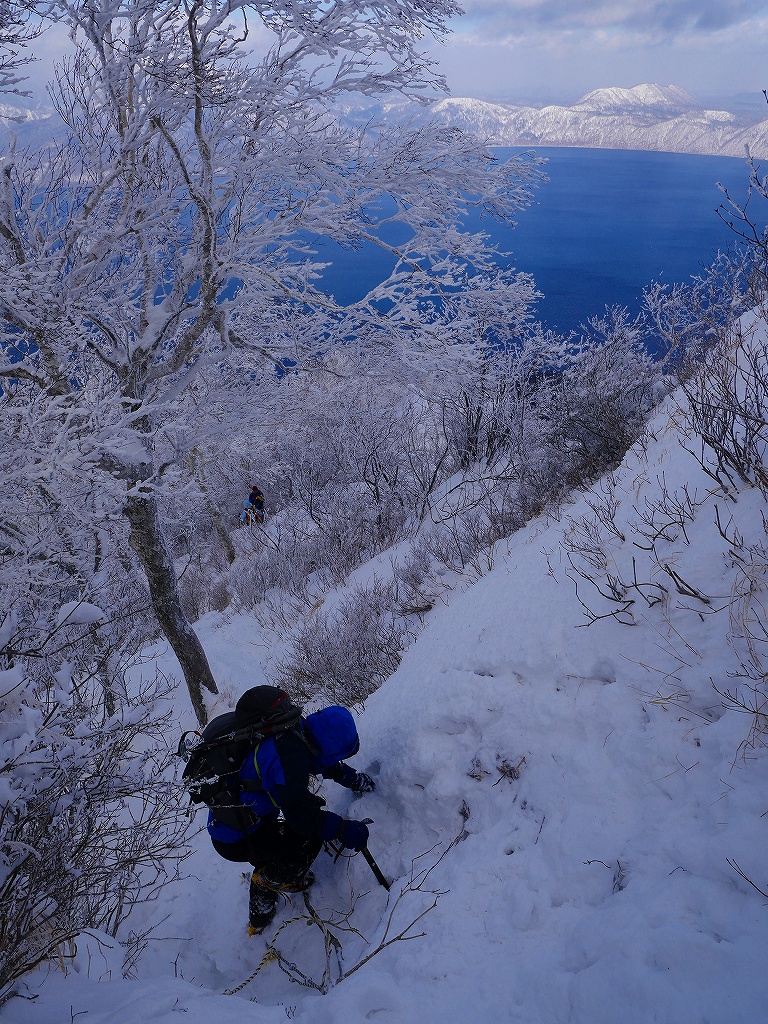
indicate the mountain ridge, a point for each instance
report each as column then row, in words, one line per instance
column 646, row 117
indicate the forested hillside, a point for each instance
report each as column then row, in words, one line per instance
column 569, row 763
column 532, row 564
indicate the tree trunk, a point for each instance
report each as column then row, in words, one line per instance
column 197, row 468
column 148, row 542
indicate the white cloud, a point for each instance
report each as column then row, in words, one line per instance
column 660, row 18
column 558, row 49
column 49, row 49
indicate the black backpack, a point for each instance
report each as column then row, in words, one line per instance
column 213, row 763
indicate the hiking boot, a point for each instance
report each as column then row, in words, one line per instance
column 262, row 905
column 301, row 885
column 259, row 924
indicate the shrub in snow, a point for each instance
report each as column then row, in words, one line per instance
column 415, row 579
column 90, row 823
column 463, row 544
column 636, row 561
column 604, row 397
column 345, row 654
column 748, row 635
column 726, row 416
column 725, row 423
column 685, row 319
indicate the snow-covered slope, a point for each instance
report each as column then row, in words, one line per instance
column 649, row 117
column 601, row 886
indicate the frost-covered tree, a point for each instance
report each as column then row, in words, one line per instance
column 172, row 232
column 90, row 820
column 17, row 30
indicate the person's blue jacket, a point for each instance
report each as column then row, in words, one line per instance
column 275, row 775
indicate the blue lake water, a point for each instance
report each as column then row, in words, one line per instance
column 606, row 224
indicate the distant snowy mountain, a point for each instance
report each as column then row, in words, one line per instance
column 643, row 99
column 31, row 126
column 648, row 117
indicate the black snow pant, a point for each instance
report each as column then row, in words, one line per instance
column 281, row 858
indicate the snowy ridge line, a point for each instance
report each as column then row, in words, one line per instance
column 646, row 117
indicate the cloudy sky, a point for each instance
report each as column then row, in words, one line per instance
column 556, row 50
column 560, row 49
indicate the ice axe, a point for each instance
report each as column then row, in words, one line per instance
column 377, row 872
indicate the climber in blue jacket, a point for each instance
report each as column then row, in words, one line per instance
column 282, row 825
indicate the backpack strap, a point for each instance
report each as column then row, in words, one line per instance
column 304, row 733
column 301, row 730
column 257, row 785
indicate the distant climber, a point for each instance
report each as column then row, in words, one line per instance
column 253, row 507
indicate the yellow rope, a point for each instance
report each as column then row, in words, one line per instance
column 270, row 955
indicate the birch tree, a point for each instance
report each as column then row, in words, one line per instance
column 172, row 231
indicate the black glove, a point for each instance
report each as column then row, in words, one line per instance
column 363, row 783
column 353, row 834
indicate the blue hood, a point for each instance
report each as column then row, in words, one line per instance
column 335, row 732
